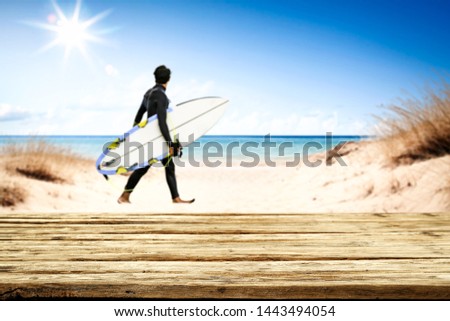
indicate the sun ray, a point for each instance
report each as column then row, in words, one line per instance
column 41, row 25
column 76, row 12
column 95, row 39
column 96, row 18
column 48, row 46
column 71, row 33
column 107, row 31
column 59, row 12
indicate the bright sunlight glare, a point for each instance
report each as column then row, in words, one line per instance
column 70, row 33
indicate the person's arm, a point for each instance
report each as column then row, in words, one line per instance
column 140, row 113
column 161, row 112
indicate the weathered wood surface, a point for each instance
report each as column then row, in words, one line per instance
column 295, row 256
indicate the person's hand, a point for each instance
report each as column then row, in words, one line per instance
column 175, row 149
column 172, row 151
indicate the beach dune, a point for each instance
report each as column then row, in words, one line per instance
column 406, row 169
column 368, row 183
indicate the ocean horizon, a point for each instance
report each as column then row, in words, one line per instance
column 91, row 146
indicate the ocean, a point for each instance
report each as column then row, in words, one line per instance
column 230, row 147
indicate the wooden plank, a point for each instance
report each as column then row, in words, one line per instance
column 411, row 236
column 398, row 265
column 318, row 256
column 80, row 290
column 198, row 251
column 224, row 228
column 379, row 272
column 225, row 216
column 98, row 235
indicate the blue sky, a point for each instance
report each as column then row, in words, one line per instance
column 288, row 67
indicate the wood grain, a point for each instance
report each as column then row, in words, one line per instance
column 262, row 256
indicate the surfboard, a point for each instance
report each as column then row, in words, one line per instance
column 144, row 144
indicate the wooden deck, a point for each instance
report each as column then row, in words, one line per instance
column 297, row 256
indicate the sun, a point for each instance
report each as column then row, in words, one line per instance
column 71, row 33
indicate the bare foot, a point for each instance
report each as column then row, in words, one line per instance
column 180, row 201
column 124, row 198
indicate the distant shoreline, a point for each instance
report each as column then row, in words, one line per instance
column 205, row 136
column 91, row 145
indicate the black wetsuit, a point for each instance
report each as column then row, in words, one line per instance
column 155, row 102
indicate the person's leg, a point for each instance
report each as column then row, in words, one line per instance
column 133, row 180
column 169, row 167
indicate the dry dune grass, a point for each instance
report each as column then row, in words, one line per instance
column 11, row 195
column 418, row 129
column 37, row 160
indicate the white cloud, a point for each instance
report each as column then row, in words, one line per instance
column 69, row 121
column 261, row 123
column 106, row 99
column 130, row 96
column 111, row 71
column 111, row 109
column 10, row 113
column 118, row 97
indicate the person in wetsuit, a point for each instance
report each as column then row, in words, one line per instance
column 155, row 102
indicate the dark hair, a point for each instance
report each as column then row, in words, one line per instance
column 162, row 74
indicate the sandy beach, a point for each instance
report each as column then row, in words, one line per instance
column 369, row 183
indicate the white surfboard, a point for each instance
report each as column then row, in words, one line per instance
column 144, row 143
